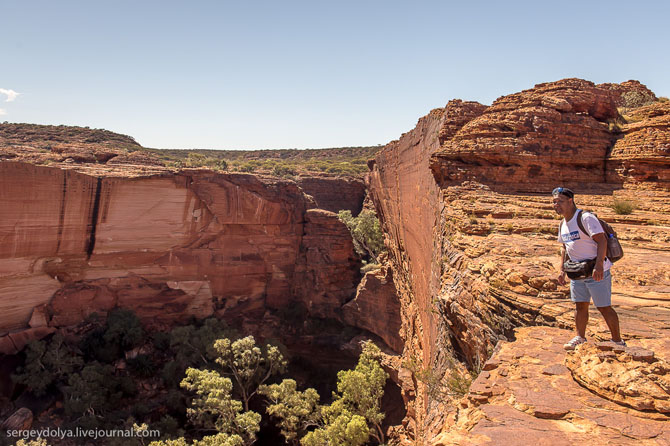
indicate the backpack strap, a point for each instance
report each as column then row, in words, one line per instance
column 580, row 215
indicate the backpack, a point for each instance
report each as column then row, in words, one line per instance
column 614, row 249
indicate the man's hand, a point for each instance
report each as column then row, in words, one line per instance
column 601, row 240
column 598, row 272
column 561, row 278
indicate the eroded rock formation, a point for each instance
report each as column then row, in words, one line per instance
column 465, row 206
column 465, row 201
column 79, row 239
column 526, row 394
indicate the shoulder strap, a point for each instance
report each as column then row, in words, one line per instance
column 580, row 215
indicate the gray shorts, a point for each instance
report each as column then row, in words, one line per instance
column 584, row 290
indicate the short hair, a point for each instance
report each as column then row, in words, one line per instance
column 563, row 191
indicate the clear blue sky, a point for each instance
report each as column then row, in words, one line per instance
column 282, row 74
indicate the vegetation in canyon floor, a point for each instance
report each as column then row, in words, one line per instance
column 200, row 384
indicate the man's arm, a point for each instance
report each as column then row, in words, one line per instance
column 561, row 277
column 598, row 271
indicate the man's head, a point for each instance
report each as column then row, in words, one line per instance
column 564, row 202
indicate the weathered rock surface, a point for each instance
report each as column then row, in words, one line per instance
column 630, row 94
column 335, row 194
column 168, row 245
column 327, row 272
column 22, row 419
column 553, row 132
column 531, row 397
column 474, row 249
column 465, row 206
column 632, row 377
column 642, row 155
column 376, row 307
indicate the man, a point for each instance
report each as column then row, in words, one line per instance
column 580, row 247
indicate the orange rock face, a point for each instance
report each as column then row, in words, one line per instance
column 632, row 376
column 376, row 307
column 527, row 394
column 642, row 155
column 465, row 201
column 335, row 194
column 553, row 132
column 327, row 271
column 169, row 246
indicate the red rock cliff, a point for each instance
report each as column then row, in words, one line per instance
column 168, row 245
column 465, row 201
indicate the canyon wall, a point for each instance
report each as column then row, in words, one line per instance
column 79, row 239
column 465, row 201
column 470, row 278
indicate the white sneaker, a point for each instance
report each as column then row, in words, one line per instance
column 574, row 342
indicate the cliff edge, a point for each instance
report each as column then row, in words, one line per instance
column 464, row 199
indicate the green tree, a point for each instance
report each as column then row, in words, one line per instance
column 249, row 365
column 122, row 331
column 211, row 440
column 193, row 346
column 94, row 392
column 341, row 428
column 357, row 403
column 366, row 233
column 214, row 407
column 294, row 410
column 38, row 442
column 46, row 363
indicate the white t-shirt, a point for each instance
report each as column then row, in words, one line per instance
column 578, row 245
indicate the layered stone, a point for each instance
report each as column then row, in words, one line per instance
column 555, row 132
column 170, row 246
column 641, row 156
column 486, row 261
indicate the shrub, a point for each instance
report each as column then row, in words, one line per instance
column 94, row 392
column 355, row 414
column 369, row 267
column 248, row 167
column 47, row 363
column 283, row 170
column 38, row 442
column 122, row 331
column 366, row 233
column 623, row 207
column 142, row 365
column 454, row 384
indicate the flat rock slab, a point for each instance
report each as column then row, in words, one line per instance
column 537, row 400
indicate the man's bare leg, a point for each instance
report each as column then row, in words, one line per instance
column 582, row 317
column 612, row 320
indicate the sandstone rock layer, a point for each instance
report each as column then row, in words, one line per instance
column 170, row 246
column 465, row 201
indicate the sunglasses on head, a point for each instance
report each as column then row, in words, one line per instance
column 563, row 191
